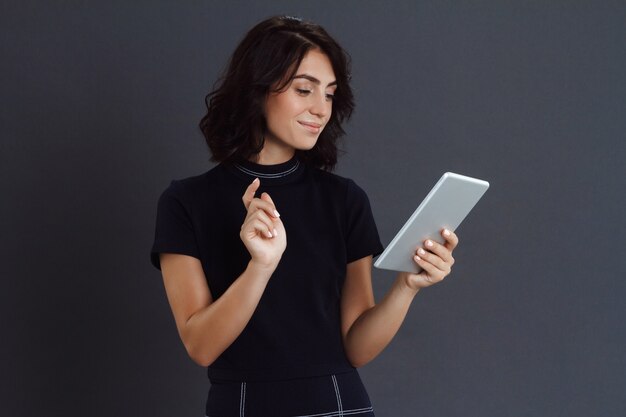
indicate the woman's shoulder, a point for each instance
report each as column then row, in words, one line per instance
column 345, row 184
column 195, row 185
column 329, row 177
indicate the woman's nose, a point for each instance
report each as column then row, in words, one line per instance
column 320, row 107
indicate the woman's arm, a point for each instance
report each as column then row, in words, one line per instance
column 206, row 326
column 367, row 327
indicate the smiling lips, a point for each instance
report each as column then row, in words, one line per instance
column 311, row 127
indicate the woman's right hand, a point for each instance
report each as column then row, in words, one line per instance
column 262, row 231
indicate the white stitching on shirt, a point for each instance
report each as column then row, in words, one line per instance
column 264, row 175
column 339, row 413
column 334, row 413
column 339, row 405
column 342, row 413
column 242, row 400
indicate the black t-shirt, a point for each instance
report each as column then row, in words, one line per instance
column 295, row 330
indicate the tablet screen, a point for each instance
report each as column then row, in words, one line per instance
column 445, row 206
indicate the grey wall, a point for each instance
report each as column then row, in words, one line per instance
column 100, row 111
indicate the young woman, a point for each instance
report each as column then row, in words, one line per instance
column 267, row 257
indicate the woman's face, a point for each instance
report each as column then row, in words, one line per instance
column 296, row 116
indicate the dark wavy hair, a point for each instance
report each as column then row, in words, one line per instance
column 265, row 61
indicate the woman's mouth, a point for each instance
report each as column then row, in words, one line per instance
column 311, row 127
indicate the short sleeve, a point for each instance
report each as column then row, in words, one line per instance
column 362, row 235
column 174, row 231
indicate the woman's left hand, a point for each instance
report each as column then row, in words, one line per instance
column 435, row 259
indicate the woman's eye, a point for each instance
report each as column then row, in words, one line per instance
column 330, row 97
column 303, row 92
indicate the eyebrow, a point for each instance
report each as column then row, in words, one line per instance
column 313, row 79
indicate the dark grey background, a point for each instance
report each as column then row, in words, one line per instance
column 100, row 109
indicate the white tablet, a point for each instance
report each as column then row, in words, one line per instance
column 445, row 206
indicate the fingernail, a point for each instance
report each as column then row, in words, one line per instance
column 255, row 180
column 276, row 213
column 429, row 243
column 275, row 232
column 417, row 258
column 446, row 232
column 268, row 233
column 421, row 251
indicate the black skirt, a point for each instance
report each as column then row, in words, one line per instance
column 324, row 396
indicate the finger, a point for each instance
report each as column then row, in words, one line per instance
column 267, row 206
column 258, row 227
column 433, row 274
column 269, row 223
column 248, row 195
column 451, row 238
column 266, row 197
column 433, row 259
column 440, row 250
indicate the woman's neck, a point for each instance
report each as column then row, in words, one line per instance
column 274, row 155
